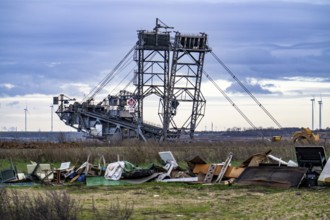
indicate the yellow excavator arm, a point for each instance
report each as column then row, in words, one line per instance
column 305, row 136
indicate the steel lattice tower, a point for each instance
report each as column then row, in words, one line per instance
column 180, row 84
column 186, row 77
column 152, row 57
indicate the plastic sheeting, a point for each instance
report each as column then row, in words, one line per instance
column 114, row 170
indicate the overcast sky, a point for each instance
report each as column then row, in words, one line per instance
column 279, row 49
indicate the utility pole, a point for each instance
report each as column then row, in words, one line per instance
column 313, row 100
column 51, row 117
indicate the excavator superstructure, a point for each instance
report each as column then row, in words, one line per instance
column 167, row 67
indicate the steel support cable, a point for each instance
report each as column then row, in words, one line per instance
column 246, row 90
column 127, row 62
column 229, row 100
column 106, row 80
column 123, row 80
column 110, row 77
column 119, row 71
column 128, row 83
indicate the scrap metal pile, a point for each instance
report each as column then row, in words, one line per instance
column 311, row 169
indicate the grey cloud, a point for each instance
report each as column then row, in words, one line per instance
column 47, row 44
column 12, row 103
column 255, row 88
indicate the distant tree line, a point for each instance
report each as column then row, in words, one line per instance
column 250, row 132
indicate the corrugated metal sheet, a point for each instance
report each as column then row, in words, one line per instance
column 283, row 177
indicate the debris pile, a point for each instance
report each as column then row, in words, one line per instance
column 311, row 169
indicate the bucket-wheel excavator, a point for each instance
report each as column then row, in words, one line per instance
column 167, row 67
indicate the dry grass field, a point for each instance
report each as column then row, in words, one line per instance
column 187, row 201
column 139, row 152
column 171, row 200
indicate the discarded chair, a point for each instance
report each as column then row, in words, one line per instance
column 170, row 164
column 63, row 172
column 39, row 172
column 313, row 158
column 9, row 174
